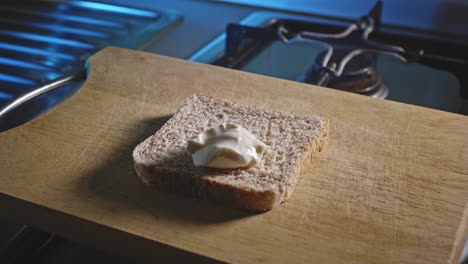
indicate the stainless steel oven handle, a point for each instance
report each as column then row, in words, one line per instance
column 44, row 88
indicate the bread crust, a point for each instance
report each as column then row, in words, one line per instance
column 310, row 150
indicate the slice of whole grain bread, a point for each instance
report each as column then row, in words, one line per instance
column 161, row 160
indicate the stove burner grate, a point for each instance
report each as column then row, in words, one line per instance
column 345, row 46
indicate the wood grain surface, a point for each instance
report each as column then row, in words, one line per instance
column 391, row 187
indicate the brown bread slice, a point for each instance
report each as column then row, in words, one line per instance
column 161, row 160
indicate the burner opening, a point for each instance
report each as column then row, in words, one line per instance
column 360, row 74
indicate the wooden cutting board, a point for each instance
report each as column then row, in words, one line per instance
column 391, row 187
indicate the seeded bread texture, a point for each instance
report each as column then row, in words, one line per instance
column 161, row 160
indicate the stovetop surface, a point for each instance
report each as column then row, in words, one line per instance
column 413, row 84
column 444, row 16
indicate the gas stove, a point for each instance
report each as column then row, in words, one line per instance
column 362, row 56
